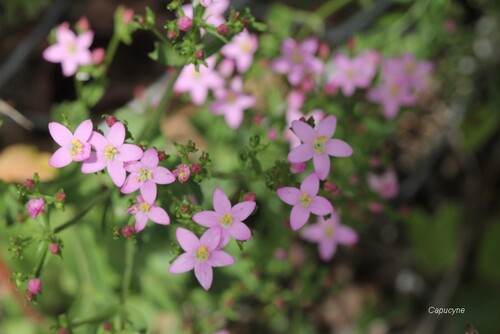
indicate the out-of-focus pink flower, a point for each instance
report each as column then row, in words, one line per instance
column 214, row 11
column 70, row 50
column 226, row 67
column 358, row 72
column 145, row 211
column 328, row 234
column 297, row 168
column 111, row 153
column 36, row 206
column 128, row 15
column 74, row 147
column 305, row 201
column 375, row 207
column 35, row 286
column 200, row 255
column 298, row 60
column 184, row 23
column 392, row 94
column 386, row 184
column 198, row 83
column 98, row 55
column 227, row 219
column 241, row 49
column 182, row 173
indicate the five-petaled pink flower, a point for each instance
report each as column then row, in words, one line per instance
column 144, row 211
column 227, row 220
column 392, row 94
column 298, row 60
column 74, row 147
column 305, row 201
column 70, row 50
column 328, row 234
column 357, row 72
column 202, row 255
column 241, row 50
column 111, row 152
column 182, row 173
column 35, row 206
column 318, row 145
column 232, row 102
column 145, row 174
column 386, row 184
column 198, row 83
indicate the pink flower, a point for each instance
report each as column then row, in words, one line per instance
column 227, row 220
column 414, row 72
column 318, row 145
column 35, row 286
column 182, row 173
column 144, row 211
column 198, row 83
column 328, row 234
column 70, row 50
column 232, row 103
column 392, row 94
column 386, row 184
column 36, row 206
column 205, row 3
column 98, row 55
column 241, row 49
column 184, row 23
column 145, row 174
column 74, row 147
column 305, row 201
column 202, row 255
column 214, row 12
column 354, row 73
column 298, row 60
column 111, row 153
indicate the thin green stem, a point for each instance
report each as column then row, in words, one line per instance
column 111, row 50
column 127, row 277
column 82, row 213
column 42, row 254
column 78, row 88
column 159, row 35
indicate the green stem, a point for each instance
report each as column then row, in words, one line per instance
column 160, row 36
column 324, row 11
column 151, row 129
column 111, row 50
column 42, row 251
column 78, row 88
column 127, row 277
column 82, row 213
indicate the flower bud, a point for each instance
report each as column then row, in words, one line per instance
column 297, row 168
column 111, row 120
column 199, row 54
column 63, row 331
column 330, row 186
column 98, row 55
column 172, row 34
column 107, row 326
column 128, row 231
column 54, row 248
column 29, row 184
column 196, row 168
column 82, row 25
column 184, row 23
column 36, row 206
column 250, row 197
column 128, row 15
column 61, row 196
column 375, row 207
column 182, row 173
column 162, row 155
column 35, row 286
column 223, row 29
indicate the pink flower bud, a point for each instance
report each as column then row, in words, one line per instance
column 272, row 134
column 82, row 25
column 184, row 23
column 29, row 296
column 257, row 119
column 375, row 207
column 162, row 155
column 54, row 248
column 110, row 120
column 323, row 50
column 297, row 168
column 35, row 286
column 172, row 34
column 128, row 231
column 330, row 186
column 222, row 29
column 182, row 173
column 196, row 168
column 199, row 54
column 61, row 196
column 250, row 197
column 36, row 206
column 29, row 184
column 98, row 55
column 107, row 326
column 280, row 254
column 63, row 331
column 128, row 15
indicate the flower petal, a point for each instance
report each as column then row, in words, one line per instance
column 327, row 126
column 320, row 206
column 187, row 240
column 204, row 274
column 130, row 185
column 130, row 152
column 207, row 218
column 310, row 185
column 298, row 217
column 211, row 238
column 220, row 259
column 221, row 203
column 184, row 262
column 93, row 164
column 116, row 172
column 304, row 131
column 116, row 135
column 289, row 195
column 60, row 158
column 60, row 134
column 338, row 148
column 301, row 153
column 84, row 131
column 98, row 141
column 327, row 249
column 161, row 175
column 141, row 219
column 242, row 210
column 312, row 233
column 150, row 158
column 84, row 153
column 346, row 235
column 321, row 164
column 159, row 216
column 240, row 231
column 148, row 191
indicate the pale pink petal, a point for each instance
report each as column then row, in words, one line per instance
column 133, row 166
column 301, row 153
column 150, row 158
column 304, row 131
column 312, row 233
column 221, row 203
column 346, row 235
column 289, row 195
column 327, row 250
column 116, row 135
column 141, row 219
column 220, row 259
column 61, row 135
column 207, row 218
column 84, row 40
column 185, row 262
column 98, row 141
column 204, row 274
column 234, row 118
column 298, row 217
column 309, row 46
column 327, row 127
column 321, row 164
column 242, row 210
column 225, row 237
column 159, row 216
column 84, row 153
column 93, row 164
column 240, row 231
column 211, row 238
column 338, row 148
column 187, row 240
column 310, row 185
column 161, row 175
column 69, row 67
column 148, row 191
column 199, row 95
column 280, row 65
column 54, row 53
column 130, row 152
column 320, row 206
column 84, row 130
column 60, row 158
column 131, row 184
column 116, row 172
column 64, row 35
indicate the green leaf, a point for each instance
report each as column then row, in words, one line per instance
column 93, row 92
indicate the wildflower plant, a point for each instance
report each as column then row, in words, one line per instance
column 285, row 101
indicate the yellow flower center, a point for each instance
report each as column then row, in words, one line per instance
column 143, row 175
column 319, row 144
column 226, row 220
column 410, row 67
column 297, row 57
column 71, row 47
column 145, row 207
column 76, row 147
column 328, row 231
column 246, row 47
column 350, row 74
column 202, row 253
column 305, row 200
column 394, row 90
column 110, row 152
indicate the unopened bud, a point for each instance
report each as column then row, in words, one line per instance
column 199, row 54
column 128, row 231
column 35, row 286
column 196, row 168
column 162, row 155
column 250, row 197
column 223, row 29
column 330, row 186
column 61, row 196
column 184, row 23
column 111, row 120
column 29, row 184
column 54, row 248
